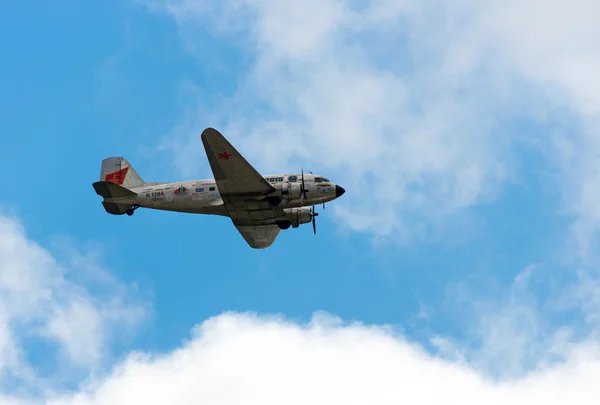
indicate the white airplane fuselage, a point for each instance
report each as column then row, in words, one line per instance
column 204, row 197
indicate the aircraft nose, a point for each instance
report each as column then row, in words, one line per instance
column 339, row 191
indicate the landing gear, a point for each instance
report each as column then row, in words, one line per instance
column 284, row 224
column 131, row 210
column 274, row 201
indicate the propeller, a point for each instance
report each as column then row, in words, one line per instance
column 303, row 187
column 314, row 214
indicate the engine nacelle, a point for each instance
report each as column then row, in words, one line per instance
column 288, row 191
column 298, row 216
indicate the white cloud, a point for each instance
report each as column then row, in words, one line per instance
column 260, row 359
column 545, row 318
column 413, row 98
column 243, row 357
column 323, row 98
column 510, row 333
column 40, row 299
column 235, row 358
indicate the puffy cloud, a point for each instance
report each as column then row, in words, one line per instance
column 234, row 357
column 420, row 100
column 46, row 301
column 237, row 358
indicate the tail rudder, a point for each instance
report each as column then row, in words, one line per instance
column 119, row 171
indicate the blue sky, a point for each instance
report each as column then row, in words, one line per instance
column 469, row 222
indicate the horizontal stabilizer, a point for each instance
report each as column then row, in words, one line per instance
column 107, row 189
column 114, row 208
column 117, row 199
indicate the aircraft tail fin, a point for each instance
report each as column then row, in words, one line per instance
column 119, row 171
column 117, row 199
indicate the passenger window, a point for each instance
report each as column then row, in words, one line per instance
column 211, row 189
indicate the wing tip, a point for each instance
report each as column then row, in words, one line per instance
column 257, row 239
column 210, row 131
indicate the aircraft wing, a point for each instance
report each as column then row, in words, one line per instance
column 233, row 174
column 238, row 182
column 259, row 236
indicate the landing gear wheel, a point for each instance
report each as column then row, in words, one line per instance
column 131, row 210
column 274, row 201
column 284, row 224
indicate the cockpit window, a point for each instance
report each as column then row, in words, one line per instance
column 321, row 180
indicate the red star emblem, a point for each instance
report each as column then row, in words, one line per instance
column 224, row 155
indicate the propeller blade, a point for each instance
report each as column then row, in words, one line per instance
column 314, row 216
column 303, row 187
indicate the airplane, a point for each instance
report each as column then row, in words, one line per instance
column 259, row 206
